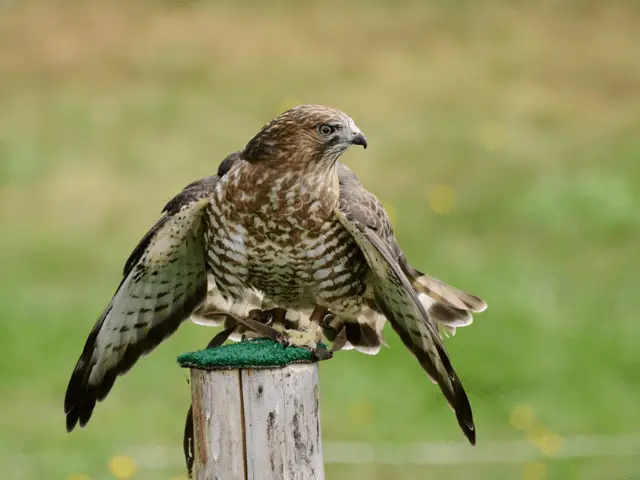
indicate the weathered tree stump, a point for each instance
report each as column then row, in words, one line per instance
column 255, row 412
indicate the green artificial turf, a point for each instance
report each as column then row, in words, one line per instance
column 260, row 353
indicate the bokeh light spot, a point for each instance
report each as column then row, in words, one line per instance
column 522, row 417
column 547, row 441
column 361, row 413
column 492, row 135
column 442, row 199
column 534, row 471
column 552, row 445
column 122, row 466
column 78, row 476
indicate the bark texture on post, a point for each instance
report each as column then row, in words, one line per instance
column 256, row 423
column 219, row 446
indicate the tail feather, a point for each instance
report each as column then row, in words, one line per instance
column 449, row 307
column 446, row 317
column 448, row 295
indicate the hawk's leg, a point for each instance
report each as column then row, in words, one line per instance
column 318, row 314
column 338, row 332
column 307, row 338
column 265, row 317
column 257, row 321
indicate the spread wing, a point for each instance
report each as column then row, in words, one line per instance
column 164, row 280
column 364, row 217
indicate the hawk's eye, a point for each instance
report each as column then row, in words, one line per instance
column 326, row 130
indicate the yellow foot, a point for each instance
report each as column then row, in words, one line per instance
column 303, row 338
column 300, row 338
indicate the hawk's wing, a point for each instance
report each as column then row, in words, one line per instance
column 447, row 306
column 364, row 217
column 164, row 280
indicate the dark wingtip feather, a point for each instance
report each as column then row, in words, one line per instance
column 463, row 411
column 71, row 421
column 458, row 399
column 79, row 400
column 470, row 433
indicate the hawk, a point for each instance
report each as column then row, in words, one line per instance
column 285, row 228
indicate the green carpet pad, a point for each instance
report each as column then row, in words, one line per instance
column 260, row 353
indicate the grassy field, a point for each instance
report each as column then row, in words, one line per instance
column 504, row 136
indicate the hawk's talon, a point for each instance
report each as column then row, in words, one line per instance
column 321, row 354
column 283, row 340
column 338, row 331
column 297, row 338
column 326, row 320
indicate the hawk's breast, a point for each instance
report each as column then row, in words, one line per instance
column 287, row 243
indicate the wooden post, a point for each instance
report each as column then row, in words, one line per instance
column 256, row 423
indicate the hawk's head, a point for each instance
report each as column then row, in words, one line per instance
column 308, row 133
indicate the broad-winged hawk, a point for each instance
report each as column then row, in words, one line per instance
column 284, row 227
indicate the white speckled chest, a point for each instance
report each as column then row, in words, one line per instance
column 280, row 236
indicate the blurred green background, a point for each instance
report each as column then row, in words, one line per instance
column 504, row 138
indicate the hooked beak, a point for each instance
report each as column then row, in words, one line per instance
column 359, row 139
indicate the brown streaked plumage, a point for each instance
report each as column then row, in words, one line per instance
column 283, row 226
